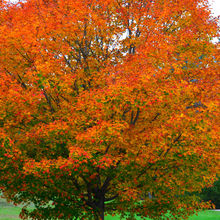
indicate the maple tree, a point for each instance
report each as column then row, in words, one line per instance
column 108, row 107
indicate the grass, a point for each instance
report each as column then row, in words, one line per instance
column 205, row 215
column 10, row 212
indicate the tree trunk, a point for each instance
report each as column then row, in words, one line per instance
column 102, row 214
column 101, row 206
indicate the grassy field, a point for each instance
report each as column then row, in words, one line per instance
column 206, row 215
column 10, row 212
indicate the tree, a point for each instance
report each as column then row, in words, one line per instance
column 107, row 107
column 212, row 194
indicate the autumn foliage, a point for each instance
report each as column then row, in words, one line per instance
column 108, row 107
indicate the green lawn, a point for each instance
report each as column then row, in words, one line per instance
column 10, row 212
column 206, row 215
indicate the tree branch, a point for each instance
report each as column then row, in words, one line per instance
column 111, row 198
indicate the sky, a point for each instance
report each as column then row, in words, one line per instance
column 215, row 7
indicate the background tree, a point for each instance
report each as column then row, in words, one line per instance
column 211, row 193
column 104, row 103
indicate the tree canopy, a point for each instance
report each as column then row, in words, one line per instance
column 108, row 107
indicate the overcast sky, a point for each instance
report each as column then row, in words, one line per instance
column 215, row 6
